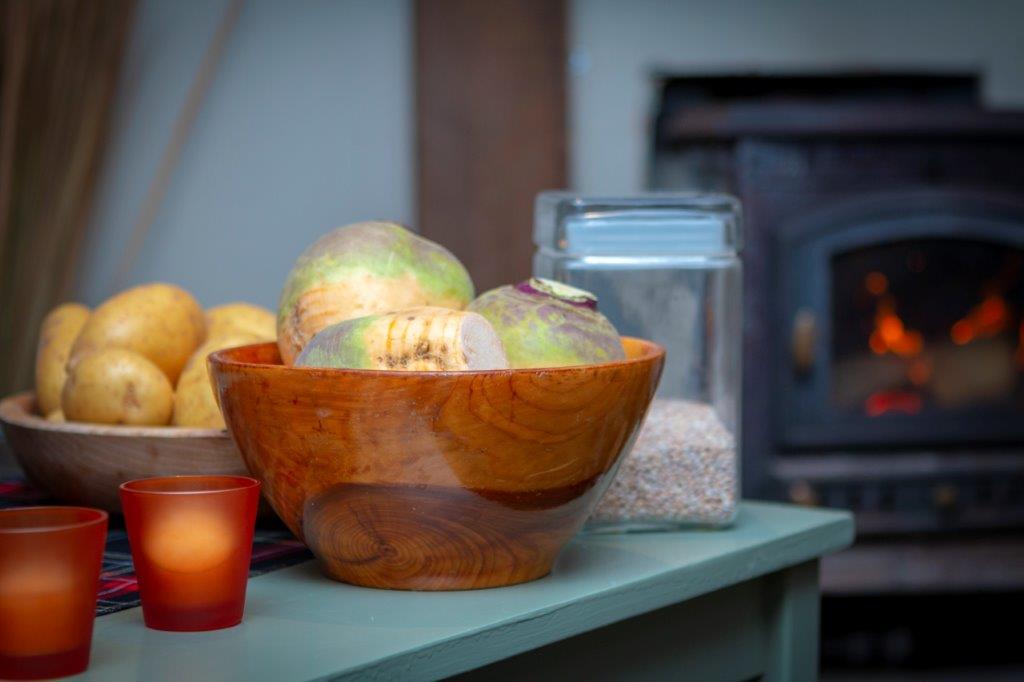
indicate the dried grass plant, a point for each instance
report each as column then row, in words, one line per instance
column 60, row 62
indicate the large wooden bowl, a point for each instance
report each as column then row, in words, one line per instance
column 85, row 463
column 434, row 480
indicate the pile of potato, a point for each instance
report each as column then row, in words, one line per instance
column 140, row 357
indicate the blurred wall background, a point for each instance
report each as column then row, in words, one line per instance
column 307, row 125
column 309, row 121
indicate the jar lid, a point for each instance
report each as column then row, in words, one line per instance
column 658, row 223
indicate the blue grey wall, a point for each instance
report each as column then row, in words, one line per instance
column 309, row 122
column 308, row 125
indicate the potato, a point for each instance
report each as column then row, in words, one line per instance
column 194, row 401
column 161, row 322
column 58, row 332
column 117, row 386
column 230, row 318
column 56, row 416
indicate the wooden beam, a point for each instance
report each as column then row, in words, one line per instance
column 491, row 126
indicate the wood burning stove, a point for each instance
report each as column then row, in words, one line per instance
column 884, row 364
column 883, row 360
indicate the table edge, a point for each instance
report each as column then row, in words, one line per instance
column 831, row 535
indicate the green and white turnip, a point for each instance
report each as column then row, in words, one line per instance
column 418, row 339
column 548, row 324
column 365, row 269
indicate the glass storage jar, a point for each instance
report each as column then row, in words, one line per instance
column 664, row 267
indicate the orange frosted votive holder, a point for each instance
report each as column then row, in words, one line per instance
column 50, row 560
column 191, row 540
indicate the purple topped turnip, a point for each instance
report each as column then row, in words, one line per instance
column 548, row 324
column 365, row 269
column 418, row 339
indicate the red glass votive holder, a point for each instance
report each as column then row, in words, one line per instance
column 50, row 560
column 191, row 540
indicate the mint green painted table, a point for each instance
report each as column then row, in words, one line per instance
column 714, row 605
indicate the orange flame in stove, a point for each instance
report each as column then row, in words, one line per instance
column 891, row 335
column 984, row 320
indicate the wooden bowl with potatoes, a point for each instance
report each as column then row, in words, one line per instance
column 83, row 464
column 123, row 392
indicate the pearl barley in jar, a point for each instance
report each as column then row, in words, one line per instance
column 663, row 267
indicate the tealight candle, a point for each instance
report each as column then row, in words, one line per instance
column 191, row 540
column 195, row 546
column 37, row 603
column 50, row 559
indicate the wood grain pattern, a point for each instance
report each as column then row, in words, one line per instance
column 434, row 480
column 85, row 463
column 490, row 126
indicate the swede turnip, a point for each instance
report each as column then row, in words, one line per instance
column 365, row 269
column 548, row 324
column 418, row 339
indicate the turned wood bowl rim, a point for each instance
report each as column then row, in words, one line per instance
column 17, row 409
column 226, row 358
